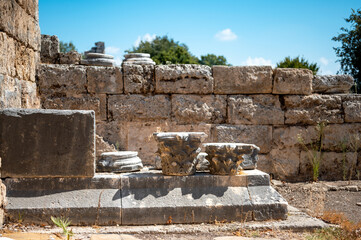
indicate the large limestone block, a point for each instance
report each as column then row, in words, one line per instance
column 7, row 53
column 139, row 107
column 292, row 81
column 29, row 95
column 285, row 156
column 105, row 80
column 31, row 7
column 49, row 49
column 61, row 80
column 138, row 78
column 264, row 163
column 72, row 57
column 47, row 143
column 333, row 166
column 18, row 23
column 287, row 136
column 352, row 107
column 10, row 92
column 255, row 109
column 26, row 60
column 242, row 80
column 102, row 146
column 184, row 79
column 143, row 141
column 336, row 134
column 259, row 135
column 189, row 109
column 114, row 132
column 96, row 103
column 285, row 163
column 312, row 109
column 332, row 83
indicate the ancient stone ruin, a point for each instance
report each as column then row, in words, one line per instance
column 96, row 56
column 60, row 115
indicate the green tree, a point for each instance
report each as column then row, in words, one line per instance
column 298, row 62
column 164, row 50
column 211, row 59
column 66, row 47
column 350, row 50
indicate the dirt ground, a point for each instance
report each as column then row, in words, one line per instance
column 315, row 198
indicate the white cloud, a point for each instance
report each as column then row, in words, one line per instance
column 118, row 61
column 146, row 38
column 258, row 61
column 226, row 35
column 324, row 61
column 112, row 50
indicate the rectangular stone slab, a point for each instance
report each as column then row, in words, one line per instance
column 47, row 143
column 85, row 201
column 157, row 199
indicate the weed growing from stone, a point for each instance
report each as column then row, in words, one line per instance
column 314, row 152
column 353, row 145
column 20, row 217
column 343, row 145
column 63, row 223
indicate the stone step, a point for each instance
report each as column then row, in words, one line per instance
column 145, row 198
column 85, row 201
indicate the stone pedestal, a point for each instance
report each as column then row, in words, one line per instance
column 96, row 57
column 178, row 151
column 226, row 158
column 138, row 58
column 145, row 198
column 123, row 161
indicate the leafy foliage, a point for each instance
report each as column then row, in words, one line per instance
column 63, row 224
column 164, row 50
column 211, row 59
column 298, row 62
column 66, row 47
column 350, row 50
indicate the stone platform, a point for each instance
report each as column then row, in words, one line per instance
column 145, row 198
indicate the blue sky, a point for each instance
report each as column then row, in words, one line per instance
column 257, row 32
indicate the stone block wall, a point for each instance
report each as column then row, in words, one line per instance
column 260, row 105
column 19, row 55
column 19, row 51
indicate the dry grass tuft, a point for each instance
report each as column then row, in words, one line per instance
column 347, row 230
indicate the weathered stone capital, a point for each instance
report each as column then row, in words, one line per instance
column 178, row 151
column 226, row 158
